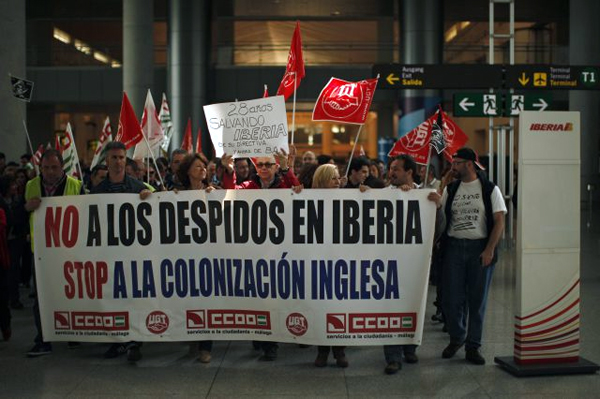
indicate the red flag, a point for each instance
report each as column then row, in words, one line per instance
column 37, row 157
column 416, row 143
column 294, row 70
column 199, row 142
column 57, row 143
column 453, row 135
column 187, row 138
column 130, row 131
column 266, row 92
column 343, row 101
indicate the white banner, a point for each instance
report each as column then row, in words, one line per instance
column 323, row 267
column 251, row 128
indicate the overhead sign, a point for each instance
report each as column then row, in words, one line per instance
column 528, row 102
column 477, row 104
column 448, row 76
column 499, row 104
column 553, row 77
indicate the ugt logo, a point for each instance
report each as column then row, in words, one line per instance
column 343, row 101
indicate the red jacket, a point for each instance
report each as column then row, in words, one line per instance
column 288, row 180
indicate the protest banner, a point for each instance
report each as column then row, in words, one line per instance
column 251, row 128
column 323, row 267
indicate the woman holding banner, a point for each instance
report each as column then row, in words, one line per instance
column 192, row 176
column 271, row 172
column 328, row 176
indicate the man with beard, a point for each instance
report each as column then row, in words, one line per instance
column 403, row 169
column 474, row 210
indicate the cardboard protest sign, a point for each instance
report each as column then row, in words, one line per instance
column 251, row 128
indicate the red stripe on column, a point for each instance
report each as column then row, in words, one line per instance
column 549, row 318
column 551, row 305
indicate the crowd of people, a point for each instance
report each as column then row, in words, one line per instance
column 469, row 220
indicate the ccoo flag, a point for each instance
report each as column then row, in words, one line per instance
column 294, row 71
column 105, row 138
column 165, row 121
column 343, row 101
column 151, row 128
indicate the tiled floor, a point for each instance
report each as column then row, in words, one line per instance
column 169, row 370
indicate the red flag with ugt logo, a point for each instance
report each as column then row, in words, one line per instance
column 343, row 101
column 295, row 66
column 416, row 143
column 453, row 135
column 130, row 131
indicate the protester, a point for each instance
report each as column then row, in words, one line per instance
column 358, row 172
column 2, row 162
column 328, row 176
column 325, row 159
column 52, row 182
column 309, row 157
column 5, row 315
column 98, row 174
column 176, row 158
column 16, row 232
column 242, row 170
column 192, row 176
column 402, row 171
column 432, row 182
column 117, row 181
column 306, row 174
column 266, row 178
column 474, row 213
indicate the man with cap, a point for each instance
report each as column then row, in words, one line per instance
column 474, row 211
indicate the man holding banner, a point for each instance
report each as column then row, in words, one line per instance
column 52, row 182
column 117, row 181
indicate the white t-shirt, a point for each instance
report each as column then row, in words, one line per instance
column 468, row 219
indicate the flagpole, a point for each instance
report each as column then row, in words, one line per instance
column 353, row 149
column 162, row 183
column 37, row 170
column 294, row 109
column 425, row 183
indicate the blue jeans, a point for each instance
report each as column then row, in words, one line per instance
column 466, row 283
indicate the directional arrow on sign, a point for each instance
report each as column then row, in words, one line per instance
column 541, row 105
column 464, row 104
column 392, row 78
column 523, row 79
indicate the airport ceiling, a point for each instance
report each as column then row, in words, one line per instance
column 454, row 10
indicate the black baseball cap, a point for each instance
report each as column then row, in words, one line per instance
column 469, row 155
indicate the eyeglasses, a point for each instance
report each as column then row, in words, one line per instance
column 264, row 165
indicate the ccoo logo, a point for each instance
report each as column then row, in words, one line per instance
column 157, row 322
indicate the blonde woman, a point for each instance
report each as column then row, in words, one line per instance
column 328, row 176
